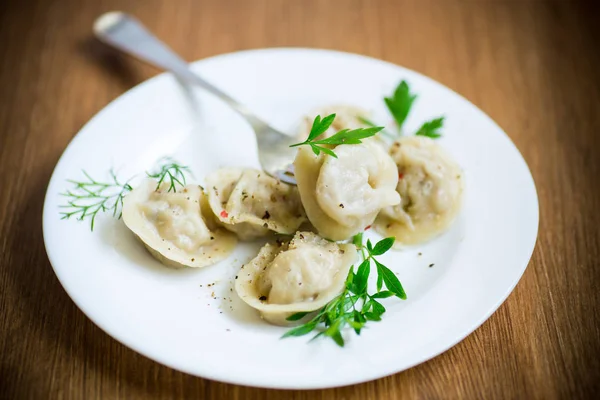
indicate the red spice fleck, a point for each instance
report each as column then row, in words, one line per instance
column 368, row 227
column 224, row 214
column 400, row 175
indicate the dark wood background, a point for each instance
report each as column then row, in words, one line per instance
column 533, row 66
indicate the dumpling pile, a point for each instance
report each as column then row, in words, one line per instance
column 412, row 190
column 301, row 275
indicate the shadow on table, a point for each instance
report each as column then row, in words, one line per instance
column 114, row 64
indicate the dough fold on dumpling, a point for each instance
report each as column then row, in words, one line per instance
column 431, row 187
column 343, row 195
column 253, row 204
column 302, row 275
column 172, row 225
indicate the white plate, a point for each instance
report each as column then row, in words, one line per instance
column 166, row 315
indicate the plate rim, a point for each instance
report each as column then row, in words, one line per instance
column 224, row 378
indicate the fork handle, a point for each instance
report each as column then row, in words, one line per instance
column 127, row 34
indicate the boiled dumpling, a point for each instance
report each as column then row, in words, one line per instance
column 253, row 204
column 431, row 187
column 172, row 225
column 346, row 117
column 302, row 275
column 343, row 195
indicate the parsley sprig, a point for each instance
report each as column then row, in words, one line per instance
column 355, row 306
column 345, row 136
column 399, row 105
column 89, row 197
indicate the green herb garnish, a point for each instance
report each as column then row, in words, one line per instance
column 89, row 197
column 169, row 170
column 354, row 307
column 431, row 128
column 400, row 103
column 345, row 136
column 370, row 123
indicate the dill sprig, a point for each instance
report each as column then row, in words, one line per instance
column 90, row 197
column 345, row 136
column 170, row 171
column 355, row 306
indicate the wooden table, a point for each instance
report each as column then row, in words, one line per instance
column 533, row 66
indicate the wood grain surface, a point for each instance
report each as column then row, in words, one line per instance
column 533, row 66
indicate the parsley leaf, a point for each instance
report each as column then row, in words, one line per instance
column 345, row 136
column 390, row 280
column 301, row 330
column 382, row 246
column 320, row 126
column 297, row 316
column 361, row 278
column 400, row 103
column 431, row 128
column 372, row 124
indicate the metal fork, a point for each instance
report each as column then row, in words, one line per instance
column 128, row 35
